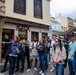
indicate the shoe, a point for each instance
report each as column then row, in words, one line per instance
column 49, row 63
column 40, row 72
column 13, row 74
column 28, row 70
column 3, row 71
column 35, row 69
column 51, row 70
column 22, row 71
column 16, row 70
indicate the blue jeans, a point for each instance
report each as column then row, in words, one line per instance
column 20, row 58
column 46, row 60
column 42, row 59
column 74, row 65
column 12, row 62
column 60, row 69
column 70, row 64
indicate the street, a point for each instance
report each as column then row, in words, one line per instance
column 33, row 72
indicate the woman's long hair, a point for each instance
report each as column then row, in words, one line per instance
column 60, row 43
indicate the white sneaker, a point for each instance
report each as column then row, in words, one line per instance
column 51, row 70
column 28, row 70
column 40, row 72
column 14, row 74
column 35, row 69
column 49, row 63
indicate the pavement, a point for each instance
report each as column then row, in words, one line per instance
column 33, row 72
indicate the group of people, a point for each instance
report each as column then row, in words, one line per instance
column 55, row 51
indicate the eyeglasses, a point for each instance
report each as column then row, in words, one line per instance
column 56, row 41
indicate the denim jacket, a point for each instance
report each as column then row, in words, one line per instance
column 14, row 48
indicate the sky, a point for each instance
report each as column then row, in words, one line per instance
column 65, row 7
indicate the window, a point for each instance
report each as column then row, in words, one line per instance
column 38, row 9
column 20, row 6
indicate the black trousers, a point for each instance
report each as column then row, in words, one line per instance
column 65, row 65
column 5, row 64
column 28, row 59
column 20, row 57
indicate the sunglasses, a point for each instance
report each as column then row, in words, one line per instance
column 56, row 41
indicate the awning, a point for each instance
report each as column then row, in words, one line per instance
column 72, row 30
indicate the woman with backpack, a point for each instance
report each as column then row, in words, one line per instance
column 59, row 56
column 13, row 54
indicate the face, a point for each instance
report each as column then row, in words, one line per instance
column 21, row 41
column 15, row 39
column 72, row 38
column 41, row 41
column 35, row 39
column 54, row 37
column 57, row 42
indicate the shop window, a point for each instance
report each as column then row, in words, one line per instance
column 20, row 6
column 38, row 9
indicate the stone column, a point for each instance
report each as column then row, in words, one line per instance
column 16, row 32
column 1, row 27
column 2, row 19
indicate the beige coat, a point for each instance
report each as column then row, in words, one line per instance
column 59, row 55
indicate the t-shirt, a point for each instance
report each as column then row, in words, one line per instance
column 72, row 49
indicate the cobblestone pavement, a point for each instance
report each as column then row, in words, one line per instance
column 32, row 72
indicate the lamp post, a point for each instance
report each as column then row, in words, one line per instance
column 2, row 21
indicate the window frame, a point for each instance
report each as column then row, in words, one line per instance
column 41, row 4
column 19, row 12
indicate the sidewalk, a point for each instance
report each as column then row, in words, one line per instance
column 32, row 72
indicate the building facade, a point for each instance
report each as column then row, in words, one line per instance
column 64, row 22
column 56, row 26
column 27, row 18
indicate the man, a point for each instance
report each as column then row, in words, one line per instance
column 72, row 50
column 27, row 55
column 53, row 42
column 66, row 44
column 33, row 52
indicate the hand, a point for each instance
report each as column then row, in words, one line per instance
column 3, row 43
column 32, row 47
column 56, row 61
column 50, row 54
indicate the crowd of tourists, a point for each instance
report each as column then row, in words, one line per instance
column 57, row 52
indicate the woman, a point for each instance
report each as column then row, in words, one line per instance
column 13, row 54
column 59, row 56
column 41, row 51
column 21, row 56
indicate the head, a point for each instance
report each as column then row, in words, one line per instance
column 54, row 37
column 72, row 37
column 15, row 38
column 42, row 41
column 21, row 41
column 59, row 43
column 35, row 38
